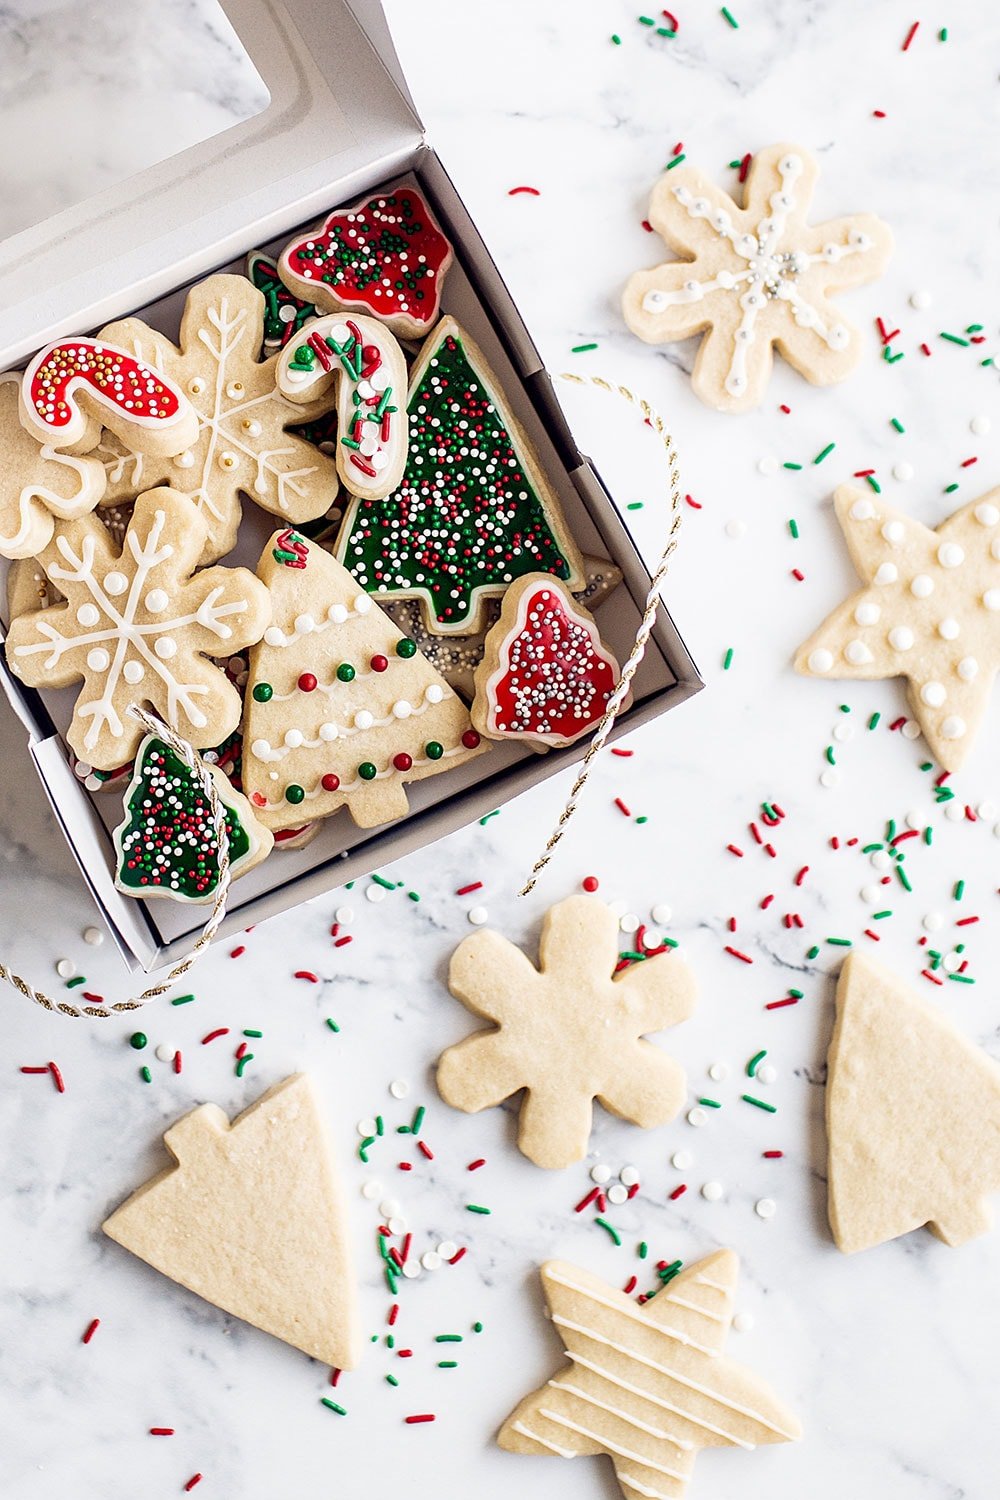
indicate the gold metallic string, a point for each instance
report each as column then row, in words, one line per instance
column 650, row 610
column 194, row 762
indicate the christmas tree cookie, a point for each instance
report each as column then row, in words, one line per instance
column 912, row 1115
column 342, row 710
column 166, row 845
column 385, row 256
column 251, row 1218
column 474, row 510
column 546, row 675
column 647, row 1384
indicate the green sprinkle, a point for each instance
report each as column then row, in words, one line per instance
column 676, row 161
column 830, row 755
column 494, row 814
column 797, row 993
column 616, row 1237
column 877, row 916
column 403, row 1130
column 710, row 1103
column 145, row 1075
column 413, row 895
column 872, row 481
column 793, row 527
column 448, row 1338
column 953, row 338
column 71, row 984
column 873, row 721
column 950, row 489
column 447, row 1364
column 772, row 1109
column 643, row 819
column 391, row 1380
column 242, row 1062
column 959, row 890
column 926, row 765
column 962, row 978
column 332, row 1024
column 333, row 1406
column 138, row 1040
column 735, row 164
column 754, row 1063
column 892, row 359
column 824, row 453
column 895, row 422
column 387, row 885
column 390, row 1341
column 616, row 39
column 369, row 1140
column 902, row 878
column 392, row 1280
column 728, row 15
column 182, row 1000
column 943, row 34
column 669, row 1272
column 253, row 1033
column 643, row 1249
column 727, row 660
column 791, row 466
column 839, row 942
column 582, row 348
column 813, row 952
column 928, row 836
column 477, row 1327
column 418, row 1120
column 974, row 328
column 871, row 848
column 665, row 31
column 477, row 1208
column 646, row 21
column 635, row 505
column 379, row 1125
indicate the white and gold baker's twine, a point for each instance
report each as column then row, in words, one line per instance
column 194, row 762
column 650, row 610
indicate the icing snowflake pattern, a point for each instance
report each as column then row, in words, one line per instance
column 755, row 278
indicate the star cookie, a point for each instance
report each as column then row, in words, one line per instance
column 754, row 278
column 929, row 612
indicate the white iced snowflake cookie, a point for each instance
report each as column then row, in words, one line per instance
column 753, row 279
column 929, row 612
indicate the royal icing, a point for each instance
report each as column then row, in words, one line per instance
column 38, row 484
column 129, row 392
column 472, row 513
column 385, row 256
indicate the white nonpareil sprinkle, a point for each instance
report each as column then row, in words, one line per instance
column 600, row 1174
column 94, row 936
column 697, row 1116
column 629, row 1175
column 765, row 1208
column 165, row 1052
column 371, row 1189
column 718, row 1071
column 661, row 914
column 65, row 968
column 478, row 915
column 681, row 1160
column 743, row 1322
column 375, row 892
column 711, row 1191
column 367, row 1127
column 399, row 1088
column 617, row 1193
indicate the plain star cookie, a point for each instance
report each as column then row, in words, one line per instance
column 242, row 444
column 912, row 1116
column 569, row 1032
column 753, row 279
column 38, row 484
column 647, row 1385
column 138, row 628
column 251, row 1218
column 929, row 612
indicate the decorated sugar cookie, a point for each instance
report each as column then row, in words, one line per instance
column 912, row 1116
column 474, row 510
column 385, row 256
column 138, row 628
column 364, row 362
column 342, row 710
column 754, row 279
column 929, row 611
column 546, row 675
column 647, row 1384
column 38, row 484
column 242, row 445
column 166, row 844
column 75, row 387
column 569, row 1032
column 250, row 1216
column 284, row 313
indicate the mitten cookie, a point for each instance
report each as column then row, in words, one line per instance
column 569, row 1032
column 242, row 443
column 251, row 1218
column 137, row 628
column 38, row 485
column 546, row 675
column 385, row 256
column 474, row 510
column 929, row 612
column 754, row 279
column 166, row 844
column 342, row 710
column 912, row 1115
column 647, row 1385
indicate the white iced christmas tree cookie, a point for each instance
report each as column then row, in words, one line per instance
column 754, row 279
column 929, row 612
column 912, row 1114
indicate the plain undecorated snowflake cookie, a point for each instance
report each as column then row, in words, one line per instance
column 569, row 1032
column 754, row 279
column 929, row 611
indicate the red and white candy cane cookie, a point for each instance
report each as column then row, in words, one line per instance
column 546, row 675
column 370, row 370
column 385, row 256
column 75, row 387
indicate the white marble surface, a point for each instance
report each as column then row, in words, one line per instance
column 889, row 1357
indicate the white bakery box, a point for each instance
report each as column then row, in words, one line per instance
column 340, row 124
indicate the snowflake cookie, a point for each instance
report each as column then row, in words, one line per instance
column 754, row 278
column 243, row 443
column 569, row 1032
column 929, row 612
column 137, row 628
column 648, row 1383
column 38, row 485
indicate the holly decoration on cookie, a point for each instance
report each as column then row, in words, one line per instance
column 385, row 256
column 77, row 385
column 546, row 675
column 284, row 313
column 166, row 845
column 341, row 709
column 474, row 510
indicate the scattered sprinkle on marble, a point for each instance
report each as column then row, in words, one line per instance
column 94, row 936
column 697, row 1116
column 662, row 914
column 765, row 1208
column 718, row 1071
column 478, row 915
column 65, row 968
column 711, row 1191
column 736, row 530
column 600, row 1174
column 375, row 892
column 165, row 1052
column 399, row 1088
column 682, row 1160
column 743, row 1322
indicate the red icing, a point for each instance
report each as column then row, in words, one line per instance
column 118, row 379
column 555, row 677
column 383, row 256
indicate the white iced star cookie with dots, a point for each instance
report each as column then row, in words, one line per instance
column 929, row 612
column 753, row 279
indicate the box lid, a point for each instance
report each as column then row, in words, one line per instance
column 336, row 109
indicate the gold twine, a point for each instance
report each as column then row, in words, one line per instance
column 645, row 625
column 194, row 762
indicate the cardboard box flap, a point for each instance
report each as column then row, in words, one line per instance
column 334, row 111
column 372, row 19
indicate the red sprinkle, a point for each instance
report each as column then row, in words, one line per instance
column 925, row 350
column 766, row 902
column 424, row 1416
column 863, row 473
column 675, row 25
column 680, row 144
column 466, row 890
column 679, row 1192
column 240, row 1051
column 744, row 167
column 694, row 504
column 735, row 952
column 873, row 935
column 590, row 883
column 968, row 462
column 457, row 1256
column 966, row 921
column 802, row 875
column 423, row 1147
column 393, row 1314
column 178, row 1061
column 474, row 1166
column 404, row 1353
column 212, row 1035
column 633, row 1190
column 879, row 114
column 57, row 1077
column 630, row 1285
column 195, row 1479
column 35, row 1070
column 161, row 1432
column 513, row 192
column 585, row 1202
column 647, row 226
column 307, row 974
column 910, row 35
column 239, row 951
column 772, row 1155
column 734, row 849
column 91, row 1329
column 342, row 940
column 908, row 833
column 731, row 924
column 770, row 849
column 786, row 409
column 777, row 1004
column 932, row 977
column 798, row 575
column 93, row 999
column 616, row 750
column 625, row 811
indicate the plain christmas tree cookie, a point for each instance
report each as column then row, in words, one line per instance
column 251, row 1218
column 569, row 1032
column 755, row 278
column 912, row 1116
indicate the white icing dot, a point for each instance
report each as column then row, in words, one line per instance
column 933, row 694
column 887, row 573
column 133, row 672
column 363, row 719
column 434, row 693
column 862, row 509
column 293, row 738
column 948, row 629
column 681, row 1160
column 867, row 614
column 399, row 1088
column 65, row 968
column 165, row 647
column 157, row 601
column 115, row 583
column 986, row 513
column 857, row 653
column 992, row 599
column 600, row 1174
column 902, row 471
column 894, row 532
column 718, row 1071
column 921, row 300
column 711, row 1191
column 820, row 660
column 94, row 936
column 478, row 915
column 402, row 709
column 922, row 586
column 617, row 1193
column 980, row 425
column 661, row 914
column 98, row 659
column 933, row 922
column 953, row 727
column 304, row 624
column 629, row 1175
column 901, row 638
column 697, row 1116
column 967, row 668
column 273, row 636
column 88, row 614
column 362, row 604
column 184, row 460
column 951, row 555
column 765, row 1208
column 166, row 1053
column 337, row 613
column 743, row 1322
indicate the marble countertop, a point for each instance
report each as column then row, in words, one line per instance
column 888, row 1357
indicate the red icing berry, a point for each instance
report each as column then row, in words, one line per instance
column 470, row 739
column 379, row 663
column 307, row 682
column 402, row 761
column 330, row 782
